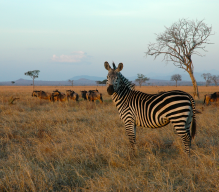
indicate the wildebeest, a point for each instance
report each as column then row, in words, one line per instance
column 83, row 95
column 58, row 96
column 93, row 95
column 42, row 95
column 93, row 91
column 72, row 95
column 211, row 98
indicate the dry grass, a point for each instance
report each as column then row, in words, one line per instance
column 83, row 147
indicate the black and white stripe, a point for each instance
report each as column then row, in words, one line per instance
column 152, row 110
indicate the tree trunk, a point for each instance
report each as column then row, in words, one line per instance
column 176, row 83
column 195, row 86
column 33, row 83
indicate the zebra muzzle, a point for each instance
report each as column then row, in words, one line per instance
column 110, row 90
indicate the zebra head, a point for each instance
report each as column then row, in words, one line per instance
column 113, row 77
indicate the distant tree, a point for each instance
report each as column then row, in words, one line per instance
column 104, row 81
column 176, row 77
column 97, row 82
column 141, row 79
column 101, row 82
column 71, row 81
column 215, row 79
column 207, row 77
column 13, row 82
column 179, row 42
column 33, row 74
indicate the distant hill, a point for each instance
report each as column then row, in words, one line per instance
column 185, row 75
column 94, row 78
column 155, row 79
column 155, row 76
column 24, row 82
column 87, row 82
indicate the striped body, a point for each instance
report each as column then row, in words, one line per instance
column 153, row 110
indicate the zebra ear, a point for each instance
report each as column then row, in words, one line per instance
column 120, row 67
column 107, row 66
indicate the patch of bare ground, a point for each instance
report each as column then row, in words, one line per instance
column 82, row 146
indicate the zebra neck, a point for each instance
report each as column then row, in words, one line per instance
column 122, row 93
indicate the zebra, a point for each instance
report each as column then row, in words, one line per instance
column 151, row 110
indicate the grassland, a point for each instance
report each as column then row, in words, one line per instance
column 83, row 147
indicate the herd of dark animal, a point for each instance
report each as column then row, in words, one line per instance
column 56, row 95
column 93, row 95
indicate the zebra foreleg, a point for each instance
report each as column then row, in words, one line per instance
column 131, row 132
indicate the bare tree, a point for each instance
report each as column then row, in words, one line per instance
column 141, row 79
column 71, row 81
column 179, row 42
column 33, row 74
column 176, row 77
column 215, row 79
column 207, row 77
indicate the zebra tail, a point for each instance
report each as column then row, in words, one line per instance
column 193, row 131
column 193, row 127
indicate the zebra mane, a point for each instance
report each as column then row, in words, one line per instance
column 125, row 82
column 114, row 66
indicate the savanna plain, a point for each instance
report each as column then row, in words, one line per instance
column 70, row 146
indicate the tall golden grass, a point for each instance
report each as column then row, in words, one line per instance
column 82, row 146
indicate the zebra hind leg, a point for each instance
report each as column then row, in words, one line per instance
column 184, row 133
column 186, row 138
column 182, row 127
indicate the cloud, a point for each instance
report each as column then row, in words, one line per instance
column 75, row 57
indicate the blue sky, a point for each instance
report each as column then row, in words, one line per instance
column 67, row 38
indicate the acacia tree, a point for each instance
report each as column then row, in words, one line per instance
column 104, row 81
column 141, row 79
column 97, row 82
column 207, row 77
column 33, row 74
column 215, row 79
column 176, row 77
column 71, row 81
column 179, row 42
column 101, row 82
column 12, row 82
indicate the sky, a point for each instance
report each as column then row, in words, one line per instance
column 67, row 38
